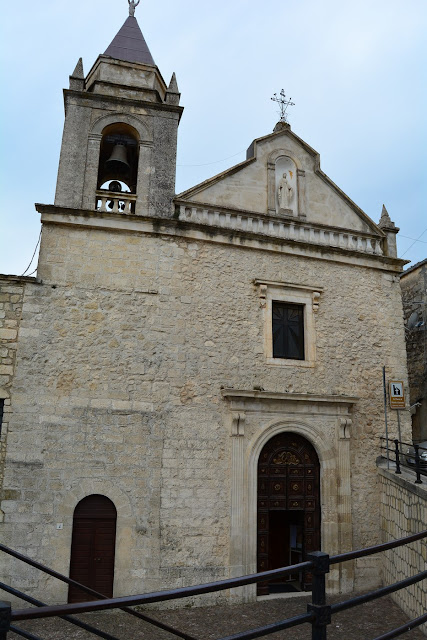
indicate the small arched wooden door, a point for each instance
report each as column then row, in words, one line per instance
column 288, row 509
column 93, row 547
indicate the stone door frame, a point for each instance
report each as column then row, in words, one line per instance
column 325, row 421
column 100, row 513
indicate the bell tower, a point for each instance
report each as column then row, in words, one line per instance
column 118, row 151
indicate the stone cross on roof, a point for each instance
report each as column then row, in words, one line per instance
column 283, row 103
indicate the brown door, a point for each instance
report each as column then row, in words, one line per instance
column 93, row 547
column 288, row 509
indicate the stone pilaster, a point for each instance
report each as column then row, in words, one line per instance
column 302, row 203
column 144, row 178
column 91, row 173
column 344, row 502
column 237, row 497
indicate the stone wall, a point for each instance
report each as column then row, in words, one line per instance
column 414, row 294
column 403, row 513
column 11, row 299
column 123, row 351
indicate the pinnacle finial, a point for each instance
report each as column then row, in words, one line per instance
column 132, row 6
column 173, row 85
column 77, row 78
column 385, row 220
column 78, row 71
column 172, row 94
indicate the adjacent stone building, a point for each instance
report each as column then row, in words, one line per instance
column 414, row 292
column 193, row 382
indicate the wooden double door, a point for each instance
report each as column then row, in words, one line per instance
column 93, row 547
column 288, row 509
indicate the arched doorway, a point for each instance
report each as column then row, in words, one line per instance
column 288, row 509
column 93, row 547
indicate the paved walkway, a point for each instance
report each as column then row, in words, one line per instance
column 208, row 623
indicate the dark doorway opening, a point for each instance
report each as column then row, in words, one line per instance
column 288, row 510
column 93, row 547
column 285, row 538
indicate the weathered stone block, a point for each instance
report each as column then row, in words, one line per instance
column 8, row 334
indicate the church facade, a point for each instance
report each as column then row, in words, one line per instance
column 191, row 386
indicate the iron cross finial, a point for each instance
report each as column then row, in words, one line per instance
column 283, row 103
column 132, row 6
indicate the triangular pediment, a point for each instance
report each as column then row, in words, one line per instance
column 281, row 177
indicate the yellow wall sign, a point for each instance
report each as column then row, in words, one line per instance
column 396, row 394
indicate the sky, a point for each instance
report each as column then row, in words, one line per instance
column 355, row 70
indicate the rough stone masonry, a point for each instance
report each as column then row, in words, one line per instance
column 139, row 367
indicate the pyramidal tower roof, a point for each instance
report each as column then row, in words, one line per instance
column 129, row 44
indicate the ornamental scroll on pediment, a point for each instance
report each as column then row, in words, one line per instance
column 286, row 458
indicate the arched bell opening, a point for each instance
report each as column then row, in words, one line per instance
column 118, row 169
column 288, row 509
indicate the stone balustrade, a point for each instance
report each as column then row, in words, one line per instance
column 114, row 202
column 287, row 229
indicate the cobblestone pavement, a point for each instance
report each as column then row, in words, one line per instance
column 206, row 623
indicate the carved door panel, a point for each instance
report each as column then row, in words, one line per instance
column 93, row 547
column 288, row 506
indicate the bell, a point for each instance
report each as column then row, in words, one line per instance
column 118, row 161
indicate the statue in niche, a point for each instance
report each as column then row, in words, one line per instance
column 132, row 7
column 285, row 193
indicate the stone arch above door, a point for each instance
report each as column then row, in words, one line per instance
column 255, row 417
column 65, row 503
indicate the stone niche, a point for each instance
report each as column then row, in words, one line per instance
column 286, row 189
column 286, row 186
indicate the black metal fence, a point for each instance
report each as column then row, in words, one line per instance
column 318, row 615
column 411, row 456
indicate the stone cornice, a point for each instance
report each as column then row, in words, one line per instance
column 18, row 279
column 251, row 400
column 126, row 102
column 125, row 64
column 286, row 285
column 284, row 397
column 244, row 239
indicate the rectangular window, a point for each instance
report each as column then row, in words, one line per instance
column 288, row 330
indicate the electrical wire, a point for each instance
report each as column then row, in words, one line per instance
column 32, row 258
column 205, row 164
column 415, row 240
column 411, row 245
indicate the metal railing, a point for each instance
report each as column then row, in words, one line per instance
column 318, row 614
column 405, row 454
